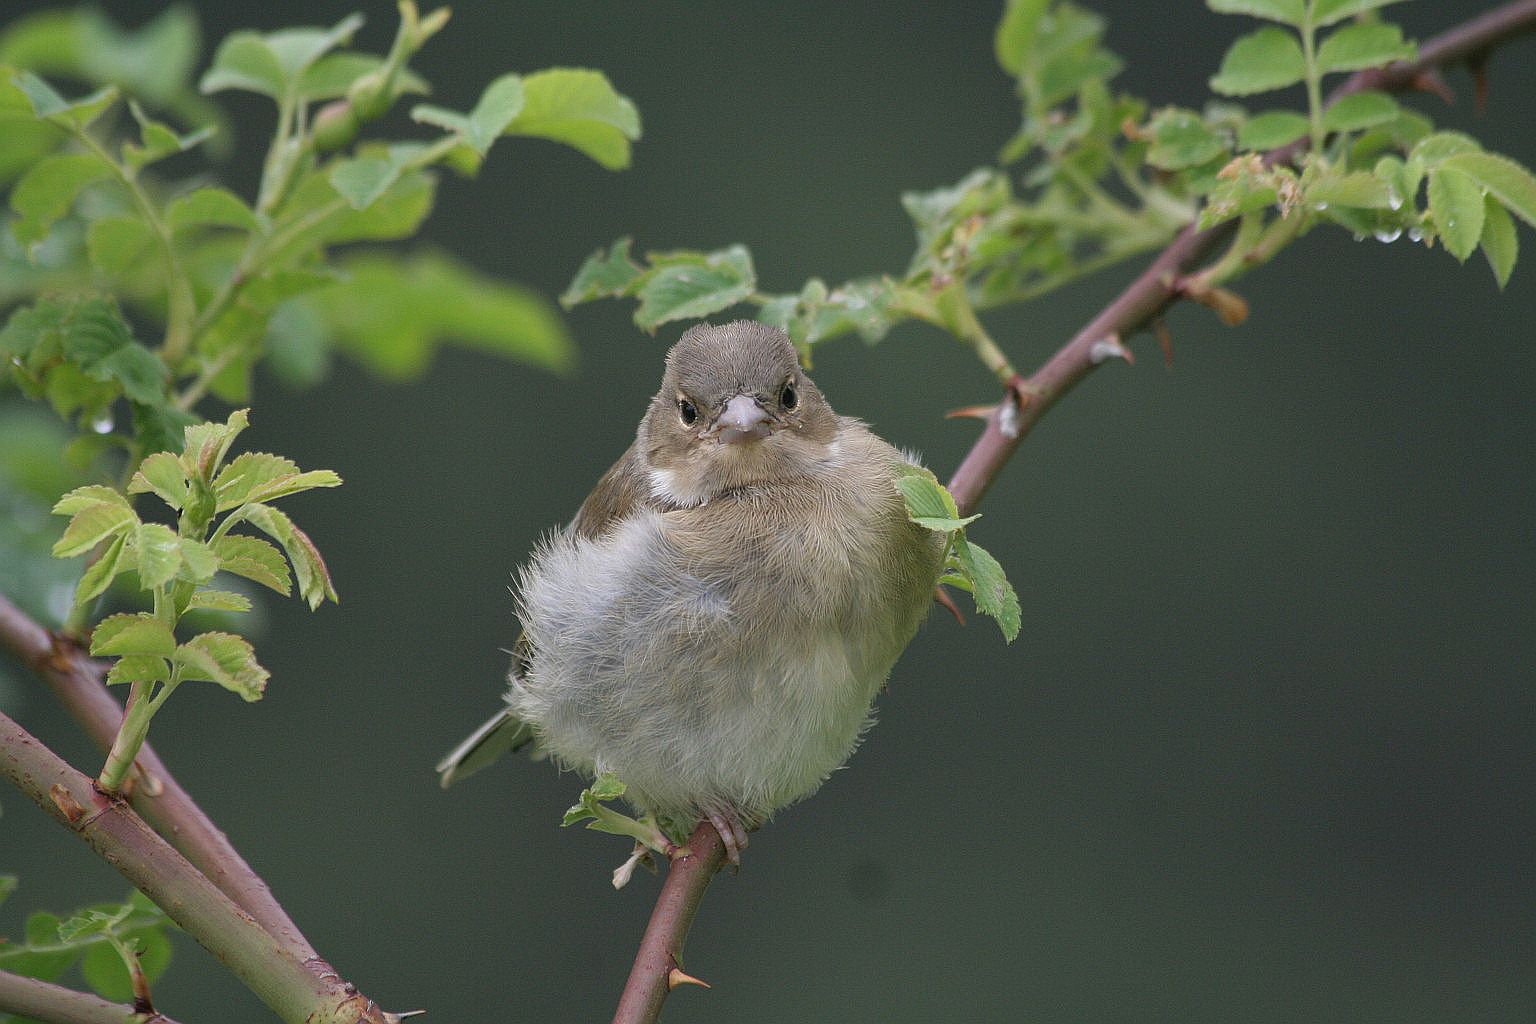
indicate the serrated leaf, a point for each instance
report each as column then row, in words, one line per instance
column 1328, row 12
column 309, row 569
column 157, row 140
column 1359, row 189
column 605, row 274
column 1360, row 110
column 107, row 975
column 580, row 108
column 1181, row 139
column 132, row 633
column 1356, row 47
column 1017, row 32
column 1272, row 129
column 86, row 923
column 163, row 474
column 694, row 287
column 1500, row 243
column 222, row 658
column 90, row 526
column 209, row 207
column 1270, row 58
column 993, row 594
column 1507, row 181
column 281, row 487
column 361, row 181
column 1432, row 149
column 255, row 560
column 138, row 668
column 929, row 503
column 218, row 601
column 333, row 75
column 198, row 562
column 115, row 244
column 298, row 48
column 205, row 444
column 82, row 498
column 100, row 574
column 1457, row 207
column 159, row 554
column 48, row 103
column 1288, row 12
column 47, row 191
column 245, row 473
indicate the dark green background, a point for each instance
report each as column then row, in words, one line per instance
column 1262, row 751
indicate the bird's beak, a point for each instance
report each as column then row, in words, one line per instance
column 743, row 420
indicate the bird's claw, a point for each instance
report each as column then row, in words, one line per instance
column 732, row 834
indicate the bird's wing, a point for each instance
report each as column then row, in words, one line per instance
column 502, row 734
column 623, row 489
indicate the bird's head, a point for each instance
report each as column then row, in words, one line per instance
column 734, row 409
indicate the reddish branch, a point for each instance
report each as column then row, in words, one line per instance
column 77, row 682
column 1137, row 308
column 43, row 1000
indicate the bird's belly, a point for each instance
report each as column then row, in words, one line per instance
column 691, row 687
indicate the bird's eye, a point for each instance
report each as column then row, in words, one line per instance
column 788, row 398
column 686, row 410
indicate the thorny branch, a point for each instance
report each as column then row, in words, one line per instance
column 1137, row 308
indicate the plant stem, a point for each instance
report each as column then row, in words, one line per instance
column 1314, row 79
column 55, row 1004
column 282, row 981
column 76, row 682
column 1135, row 308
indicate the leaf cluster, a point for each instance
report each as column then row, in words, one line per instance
column 115, row 235
column 106, row 941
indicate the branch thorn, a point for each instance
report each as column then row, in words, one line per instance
column 1478, row 65
column 1164, row 339
column 942, row 596
column 676, row 977
column 65, row 801
column 1109, row 347
column 1431, row 81
column 971, row 412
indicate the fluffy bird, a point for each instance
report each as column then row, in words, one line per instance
column 713, row 625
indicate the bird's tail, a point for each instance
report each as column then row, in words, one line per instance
column 503, row 734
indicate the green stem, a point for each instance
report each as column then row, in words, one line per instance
column 181, row 304
column 130, row 737
column 1313, row 78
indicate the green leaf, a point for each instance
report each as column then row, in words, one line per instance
column 1360, row 189
column 209, row 207
column 993, row 593
column 218, row 601
column 604, row 275
column 332, row 75
column 363, row 180
column 117, row 244
column 1328, row 12
column 1356, row 47
column 1432, row 149
column 392, row 313
column 309, row 568
column 1180, row 139
column 1016, row 33
column 244, row 61
column 1456, row 204
column 223, row 658
column 198, row 562
column 84, row 924
column 139, row 668
column 100, row 574
column 580, row 108
column 206, row 444
column 163, row 474
column 1272, row 129
column 104, row 971
column 694, row 286
column 255, row 560
column 245, row 473
column 1507, row 181
column 91, row 526
column 1500, row 243
column 79, row 114
column 281, row 487
column 1289, row 12
column 929, row 503
column 8, row 884
column 132, row 633
column 1268, row 59
column 82, row 498
column 157, row 140
column 47, row 191
column 297, row 49
column 501, row 101
column 1360, row 110
column 159, row 554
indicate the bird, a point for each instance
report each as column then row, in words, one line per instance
column 714, row 624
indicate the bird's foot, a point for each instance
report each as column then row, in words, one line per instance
column 732, row 833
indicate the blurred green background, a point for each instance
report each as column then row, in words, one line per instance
column 1262, row 752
